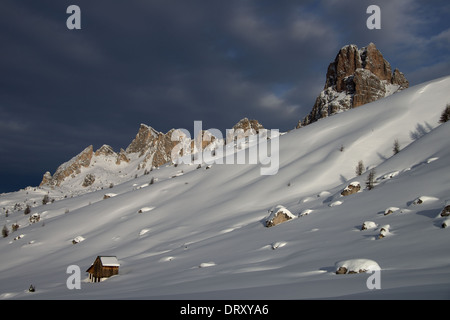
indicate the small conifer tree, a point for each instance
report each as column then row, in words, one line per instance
column 445, row 116
column 396, row 147
column 5, row 231
column 360, row 168
column 27, row 210
column 370, row 179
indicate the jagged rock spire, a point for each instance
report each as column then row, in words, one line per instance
column 355, row 77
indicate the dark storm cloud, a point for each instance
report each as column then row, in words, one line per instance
column 168, row 63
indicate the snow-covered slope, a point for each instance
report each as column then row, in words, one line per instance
column 198, row 233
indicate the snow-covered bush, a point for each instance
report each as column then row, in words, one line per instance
column 356, row 266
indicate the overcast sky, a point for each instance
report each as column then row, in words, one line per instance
column 167, row 63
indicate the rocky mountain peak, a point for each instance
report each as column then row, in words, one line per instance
column 144, row 138
column 105, row 150
column 355, row 77
column 246, row 124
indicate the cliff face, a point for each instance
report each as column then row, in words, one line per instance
column 354, row 78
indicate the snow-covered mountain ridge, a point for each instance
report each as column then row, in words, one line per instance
column 198, row 233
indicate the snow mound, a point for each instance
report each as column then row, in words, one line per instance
column 390, row 175
column 143, row 231
column 356, row 266
column 207, row 264
column 336, row 203
column 306, row 212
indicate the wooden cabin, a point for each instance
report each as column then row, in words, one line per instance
column 102, row 268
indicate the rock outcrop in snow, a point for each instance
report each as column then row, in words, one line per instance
column 355, row 77
column 356, row 266
column 69, row 168
column 278, row 214
column 352, row 188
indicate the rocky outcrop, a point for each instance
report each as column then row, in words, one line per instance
column 88, row 180
column 352, row 188
column 105, row 150
column 250, row 126
column 69, row 168
column 243, row 128
column 278, row 214
column 356, row 77
column 122, row 156
column 154, row 147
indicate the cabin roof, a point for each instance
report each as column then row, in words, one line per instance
column 109, row 261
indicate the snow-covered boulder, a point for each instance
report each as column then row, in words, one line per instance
column 352, row 188
column 278, row 244
column 423, row 199
column 368, row 225
column 446, row 211
column 145, row 209
column 446, row 223
column 77, row 239
column 109, row 195
column 384, row 231
column 390, row 210
column 278, row 214
column 356, row 266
